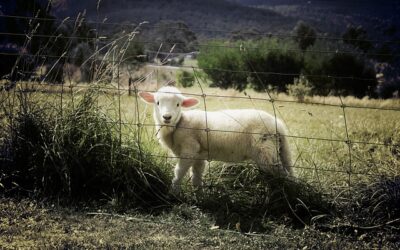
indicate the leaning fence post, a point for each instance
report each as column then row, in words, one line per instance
column 130, row 86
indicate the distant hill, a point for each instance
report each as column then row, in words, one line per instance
column 207, row 18
column 333, row 16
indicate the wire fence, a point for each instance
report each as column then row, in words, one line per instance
column 327, row 137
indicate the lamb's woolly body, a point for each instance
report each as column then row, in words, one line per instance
column 233, row 135
column 227, row 135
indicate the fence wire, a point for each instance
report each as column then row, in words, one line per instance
column 139, row 125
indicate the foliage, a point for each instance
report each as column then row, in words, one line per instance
column 389, row 89
column 377, row 202
column 275, row 63
column 14, row 65
column 80, row 55
column 224, row 66
column 357, row 36
column 271, row 64
column 300, row 88
column 238, row 64
column 354, row 77
column 340, row 74
column 250, row 196
column 185, row 79
column 246, row 34
column 385, row 53
column 236, row 197
column 170, row 36
column 305, row 35
column 75, row 154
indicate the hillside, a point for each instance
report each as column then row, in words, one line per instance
column 334, row 16
column 205, row 17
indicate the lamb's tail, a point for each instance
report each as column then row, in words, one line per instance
column 285, row 154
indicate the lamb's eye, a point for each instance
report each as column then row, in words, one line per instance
column 158, row 103
column 177, row 105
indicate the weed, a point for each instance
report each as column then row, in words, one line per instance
column 76, row 153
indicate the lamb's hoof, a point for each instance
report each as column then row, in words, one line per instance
column 176, row 189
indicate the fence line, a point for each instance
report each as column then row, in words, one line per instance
column 201, row 68
column 242, row 47
column 122, row 90
column 347, row 168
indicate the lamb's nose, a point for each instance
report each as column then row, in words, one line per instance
column 167, row 117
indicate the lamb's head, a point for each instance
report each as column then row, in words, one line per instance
column 168, row 102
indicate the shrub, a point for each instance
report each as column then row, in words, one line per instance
column 353, row 76
column 305, row 35
column 245, row 62
column 340, row 74
column 280, row 68
column 185, row 79
column 389, row 89
column 77, row 155
column 357, row 36
column 224, row 66
column 300, row 88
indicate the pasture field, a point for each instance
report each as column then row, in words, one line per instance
column 345, row 150
column 26, row 224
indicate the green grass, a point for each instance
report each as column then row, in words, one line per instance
column 329, row 197
column 76, row 153
column 30, row 224
column 311, row 127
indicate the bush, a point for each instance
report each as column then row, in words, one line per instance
column 185, row 79
column 279, row 65
column 354, row 77
column 224, row 66
column 389, row 89
column 77, row 155
column 244, row 63
column 305, row 35
column 300, row 88
column 276, row 63
column 357, row 36
column 340, row 74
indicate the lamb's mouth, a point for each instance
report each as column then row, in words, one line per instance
column 167, row 121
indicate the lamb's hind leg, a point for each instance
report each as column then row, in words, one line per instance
column 267, row 158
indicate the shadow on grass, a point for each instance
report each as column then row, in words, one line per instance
column 245, row 199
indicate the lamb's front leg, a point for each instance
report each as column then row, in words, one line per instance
column 181, row 169
column 197, row 173
column 188, row 157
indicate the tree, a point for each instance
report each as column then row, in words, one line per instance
column 276, row 68
column 246, row 34
column 305, row 35
column 175, row 37
column 224, row 66
column 15, row 60
column 357, row 37
column 69, row 43
column 349, row 76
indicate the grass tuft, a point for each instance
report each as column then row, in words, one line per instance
column 75, row 153
column 377, row 203
column 246, row 199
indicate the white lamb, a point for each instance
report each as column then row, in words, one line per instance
column 195, row 136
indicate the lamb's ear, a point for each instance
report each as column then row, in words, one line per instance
column 189, row 102
column 146, row 96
